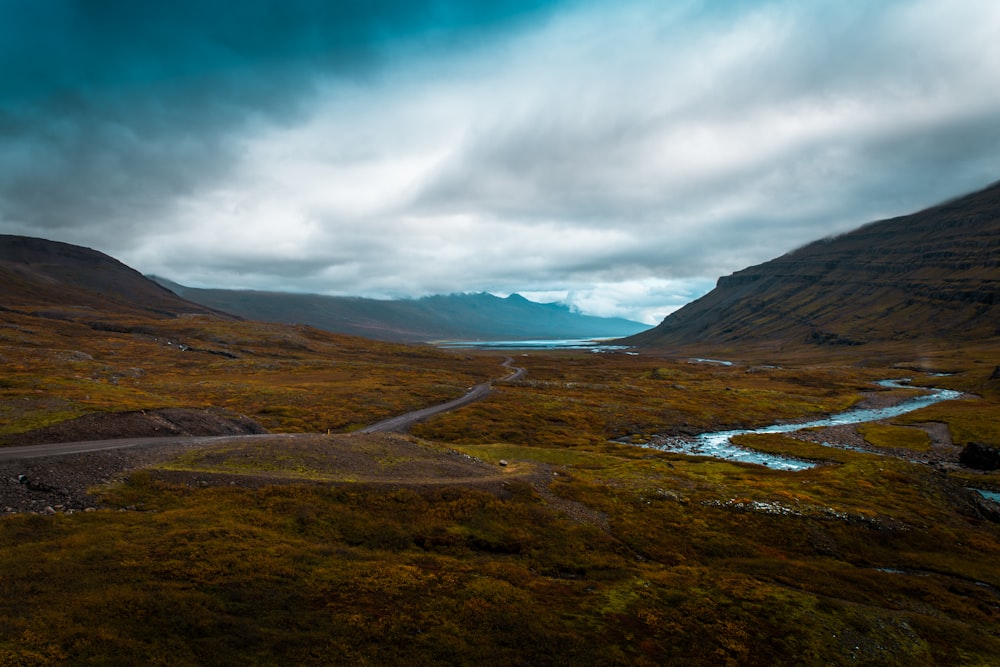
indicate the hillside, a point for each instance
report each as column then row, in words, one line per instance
column 929, row 276
column 52, row 277
column 93, row 349
column 441, row 317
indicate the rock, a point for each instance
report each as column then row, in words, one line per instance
column 980, row 456
column 503, row 463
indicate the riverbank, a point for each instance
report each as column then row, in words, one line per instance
column 942, row 454
column 837, row 430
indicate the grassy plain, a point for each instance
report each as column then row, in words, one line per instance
column 290, row 379
column 587, row 551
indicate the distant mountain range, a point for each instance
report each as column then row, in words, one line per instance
column 479, row 316
column 932, row 275
column 929, row 277
column 62, row 281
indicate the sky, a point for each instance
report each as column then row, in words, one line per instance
column 616, row 155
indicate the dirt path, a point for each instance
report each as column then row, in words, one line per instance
column 403, row 422
column 396, row 424
column 50, row 478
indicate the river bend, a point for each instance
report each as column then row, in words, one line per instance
column 719, row 443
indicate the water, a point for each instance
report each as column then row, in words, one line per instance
column 719, row 443
column 593, row 344
column 989, row 495
column 717, row 362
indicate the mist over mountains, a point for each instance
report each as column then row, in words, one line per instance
column 930, row 276
column 479, row 316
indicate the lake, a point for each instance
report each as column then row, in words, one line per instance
column 592, row 344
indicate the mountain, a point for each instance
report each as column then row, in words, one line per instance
column 932, row 275
column 59, row 277
column 443, row 317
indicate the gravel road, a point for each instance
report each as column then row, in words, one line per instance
column 55, row 477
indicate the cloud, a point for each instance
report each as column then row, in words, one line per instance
column 112, row 111
column 623, row 155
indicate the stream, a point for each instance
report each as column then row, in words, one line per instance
column 719, row 443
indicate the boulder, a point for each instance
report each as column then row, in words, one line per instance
column 980, row 456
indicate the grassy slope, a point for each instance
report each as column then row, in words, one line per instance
column 288, row 378
column 909, row 280
column 676, row 560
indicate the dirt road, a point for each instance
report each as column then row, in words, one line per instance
column 476, row 393
column 393, row 424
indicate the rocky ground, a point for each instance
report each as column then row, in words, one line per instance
column 942, row 454
column 138, row 424
column 61, row 483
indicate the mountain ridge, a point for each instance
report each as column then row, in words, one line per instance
column 39, row 273
column 929, row 275
column 456, row 316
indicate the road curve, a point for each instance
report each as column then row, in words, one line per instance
column 477, row 393
column 399, row 423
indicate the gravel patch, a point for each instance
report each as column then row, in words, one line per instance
column 48, row 485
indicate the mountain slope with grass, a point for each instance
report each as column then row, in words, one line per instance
column 37, row 273
column 932, row 276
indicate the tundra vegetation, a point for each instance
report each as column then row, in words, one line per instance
column 585, row 548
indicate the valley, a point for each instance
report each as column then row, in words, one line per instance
column 276, row 509
column 532, row 333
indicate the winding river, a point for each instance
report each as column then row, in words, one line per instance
column 719, row 443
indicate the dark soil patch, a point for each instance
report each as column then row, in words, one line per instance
column 61, row 483
column 138, row 424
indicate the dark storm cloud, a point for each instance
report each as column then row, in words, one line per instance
column 111, row 111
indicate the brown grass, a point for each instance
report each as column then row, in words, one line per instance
column 300, row 553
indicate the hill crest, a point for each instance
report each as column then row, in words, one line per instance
column 930, row 275
column 39, row 273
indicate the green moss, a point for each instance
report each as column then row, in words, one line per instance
column 895, row 437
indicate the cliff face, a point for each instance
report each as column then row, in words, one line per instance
column 931, row 275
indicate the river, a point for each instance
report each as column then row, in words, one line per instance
column 719, row 443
